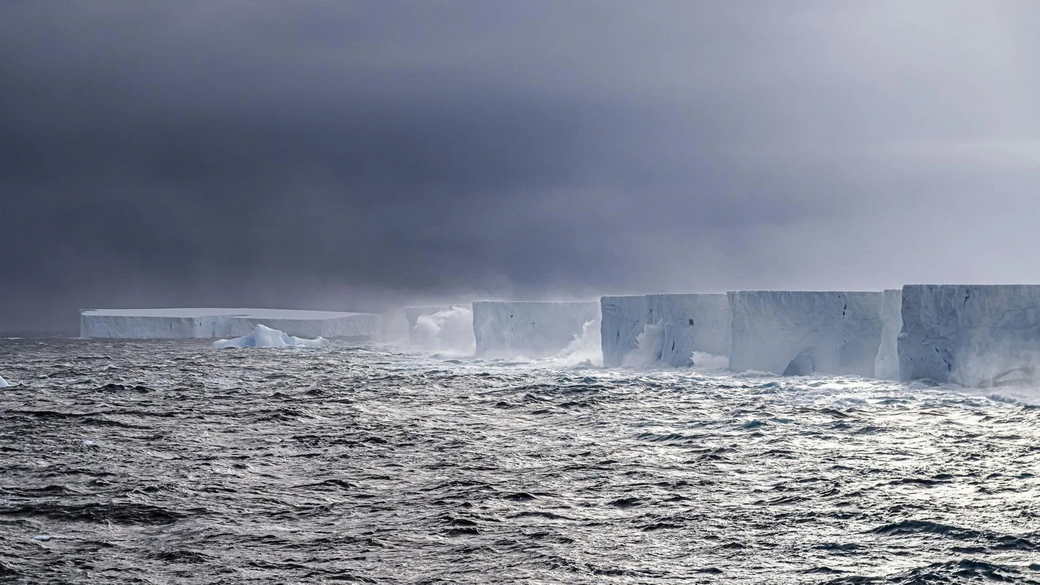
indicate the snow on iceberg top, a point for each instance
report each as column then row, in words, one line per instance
column 295, row 314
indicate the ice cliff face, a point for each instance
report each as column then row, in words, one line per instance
column 529, row 328
column 622, row 321
column 663, row 328
column 208, row 323
column 800, row 333
column 975, row 335
column 886, row 366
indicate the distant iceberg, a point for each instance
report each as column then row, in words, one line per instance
column 211, row 323
column 264, row 336
column 3, row 382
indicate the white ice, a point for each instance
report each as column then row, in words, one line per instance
column 623, row 320
column 530, row 329
column 203, row 323
column 801, row 333
column 974, row 335
column 3, row 382
column 265, row 337
column 664, row 329
column 886, row 366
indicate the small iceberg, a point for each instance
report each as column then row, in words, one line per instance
column 3, row 382
column 264, row 336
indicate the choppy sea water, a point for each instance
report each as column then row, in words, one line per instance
column 169, row 462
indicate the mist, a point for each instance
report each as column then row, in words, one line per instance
column 365, row 154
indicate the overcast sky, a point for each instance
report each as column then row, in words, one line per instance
column 346, row 155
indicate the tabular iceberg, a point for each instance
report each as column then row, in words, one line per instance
column 800, row 333
column 663, row 328
column 529, row 328
column 975, row 335
column 886, row 366
column 622, row 320
column 208, row 323
column 266, row 337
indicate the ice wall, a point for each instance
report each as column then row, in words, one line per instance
column 886, row 366
column 677, row 325
column 800, row 333
column 529, row 328
column 622, row 319
column 689, row 323
column 975, row 335
column 208, row 323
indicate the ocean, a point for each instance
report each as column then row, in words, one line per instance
column 170, row 462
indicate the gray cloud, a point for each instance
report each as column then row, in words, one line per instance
column 350, row 155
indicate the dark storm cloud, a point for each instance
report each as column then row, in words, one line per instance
column 351, row 154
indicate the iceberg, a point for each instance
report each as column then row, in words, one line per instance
column 801, row 332
column 4, row 383
column 663, row 328
column 622, row 321
column 973, row 335
column 209, row 323
column 265, row 337
column 886, row 366
column 529, row 328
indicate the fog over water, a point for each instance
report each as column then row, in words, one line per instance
column 356, row 155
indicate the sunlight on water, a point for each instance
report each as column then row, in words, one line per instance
column 169, row 461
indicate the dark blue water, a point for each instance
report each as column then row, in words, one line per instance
column 168, row 462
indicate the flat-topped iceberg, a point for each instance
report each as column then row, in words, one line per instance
column 665, row 329
column 208, row 323
column 975, row 335
column 265, row 337
column 801, row 333
column 529, row 328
